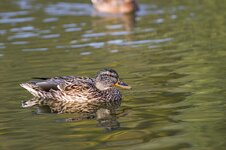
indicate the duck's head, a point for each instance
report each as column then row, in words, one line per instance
column 108, row 78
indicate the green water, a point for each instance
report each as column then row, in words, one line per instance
column 173, row 55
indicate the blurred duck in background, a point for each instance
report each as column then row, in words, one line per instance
column 116, row 6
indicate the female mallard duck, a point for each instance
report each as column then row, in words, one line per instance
column 115, row 6
column 70, row 94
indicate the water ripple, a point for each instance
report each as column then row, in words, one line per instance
column 76, row 9
column 23, row 35
column 2, row 47
column 24, row 4
column 71, row 25
column 121, row 42
column 149, row 9
column 116, row 42
column 85, row 53
column 34, row 49
column 94, row 34
column 26, row 28
column 16, row 20
column 20, row 43
column 13, row 14
column 44, row 31
column 114, row 51
column 159, row 20
column 50, row 36
column 2, row 32
column 47, row 20
column 94, row 45
column 120, row 33
column 173, row 16
column 105, row 34
column 73, row 29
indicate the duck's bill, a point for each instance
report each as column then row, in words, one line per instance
column 123, row 85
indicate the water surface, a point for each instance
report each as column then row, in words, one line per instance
column 171, row 53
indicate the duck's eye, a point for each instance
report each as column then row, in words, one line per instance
column 112, row 75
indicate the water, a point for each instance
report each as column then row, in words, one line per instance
column 172, row 54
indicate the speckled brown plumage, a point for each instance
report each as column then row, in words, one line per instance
column 70, row 94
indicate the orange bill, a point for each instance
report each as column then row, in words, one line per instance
column 122, row 85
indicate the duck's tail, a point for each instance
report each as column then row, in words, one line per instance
column 32, row 88
column 37, row 91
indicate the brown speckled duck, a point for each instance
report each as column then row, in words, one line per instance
column 69, row 94
column 116, row 6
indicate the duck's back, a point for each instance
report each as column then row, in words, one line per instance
column 46, row 87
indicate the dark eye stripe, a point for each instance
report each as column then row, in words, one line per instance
column 113, row 76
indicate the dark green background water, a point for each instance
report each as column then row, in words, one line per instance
column 174, row 57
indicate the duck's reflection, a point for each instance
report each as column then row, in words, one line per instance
column 128, row 21
column 106, row 119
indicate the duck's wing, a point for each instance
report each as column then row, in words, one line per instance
column 45, row 84
column 79, row 90
column 66, row 85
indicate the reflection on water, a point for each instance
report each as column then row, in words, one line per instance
column 128, row 21
column 104, row 118
column 172, row 54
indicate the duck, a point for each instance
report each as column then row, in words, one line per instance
column 70, row 94
column 116, row 6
